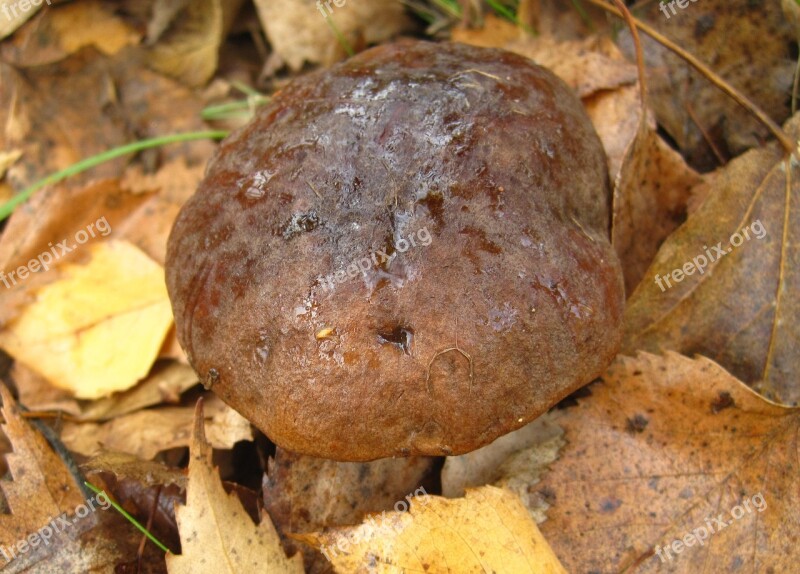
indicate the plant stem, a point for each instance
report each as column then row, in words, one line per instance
column 8, row 207
column 124, row 513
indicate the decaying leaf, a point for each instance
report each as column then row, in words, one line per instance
column 217, row 535
column 664, row 446
column 718, row 32
column 123, row 465
column 487, row 531
column 89, row 103
column 147, row 432
column 41, row 486
column 115, row 306
column 63, row 30
column 722, row 285
column 163, row 385
column 591, row 66
column 299, row 33
column 189, row 51
column 41, row 490
column 651, row 188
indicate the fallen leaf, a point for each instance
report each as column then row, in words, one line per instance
column 38, row 394
column 589, row 66
column 495, row 33
column 717, row 32
column 487, row 531
column 189, row 49
column 115, row 306
column 712, row 292
column 65, row 29
column 661, row 446
column 52, row 216
column 298, row 32
column 123, row 465
column 147, row 432
column 164, row 384
column 44, row 493
column 87, row 104
column 651, row 190
column 217, row 535
column 41, row 486
column 148, row 226
column 304, row 493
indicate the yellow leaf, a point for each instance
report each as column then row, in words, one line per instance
column 217, row 535
column 99, row 328
column 487, row 531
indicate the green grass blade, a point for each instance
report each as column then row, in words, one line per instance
column 8, row 207
column 130, row 518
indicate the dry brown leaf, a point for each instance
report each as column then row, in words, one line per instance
column 495, row 33
column 163, row 385
column 589, row 66
column 62, row 113
column 487, row 531
column 99, row 328
column 718, row 32
column 123, row 465
column 189, row 50
column 304, row 493
column 661, row 446
column 43, row 493
column 147, row 432
column 298, row 32
column 149, row 225
column 90, row 23
column 37, row 394
column 41, row 486
column 651, row 190
column 217, row 535
column 65, row 29
column 739, row 310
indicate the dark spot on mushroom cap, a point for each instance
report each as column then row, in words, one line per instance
column 509, row 301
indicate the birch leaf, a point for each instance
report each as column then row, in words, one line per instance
column 98, row 329
column 217, row 535
column 487, row 531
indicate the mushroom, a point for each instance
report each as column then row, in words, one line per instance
column 404, row 254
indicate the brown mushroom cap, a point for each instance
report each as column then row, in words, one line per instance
column 509, row 299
